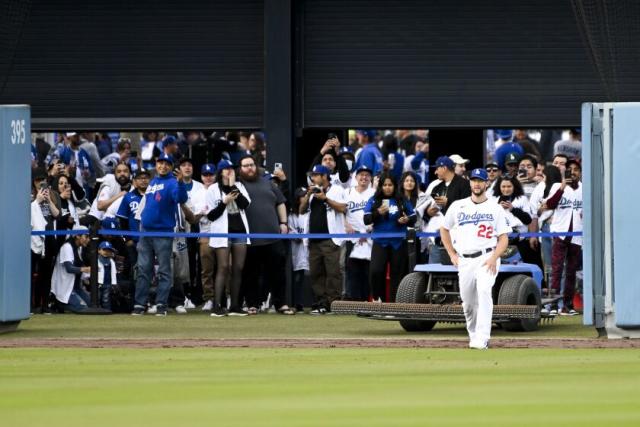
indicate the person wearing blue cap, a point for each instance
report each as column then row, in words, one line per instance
column 107, row 276
column 157, row 213
column 370, row 156
column 227, row 200
column 481, row 237
column 127, row 216
column 327, row 206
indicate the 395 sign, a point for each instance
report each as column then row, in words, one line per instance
column 18, row 132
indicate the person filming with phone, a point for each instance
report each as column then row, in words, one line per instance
column 327, row 206
column 389, row 212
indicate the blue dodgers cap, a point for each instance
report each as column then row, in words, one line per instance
column 208, row 169
column 444, row 161
column 320, row 170
column 370, row 133
column 168, row 141
column 479, row 174
column 224, row 164
column 363, row 168
column 106, row 245
column 504, row 134
column 109, row 224
column 165, row 158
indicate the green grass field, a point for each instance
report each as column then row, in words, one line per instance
column 318, row 387
column 200, row 325
column 307, row 387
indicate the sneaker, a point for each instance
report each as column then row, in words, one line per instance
column 219, row 312
column 568, row 312
column 161, row 311
column 545, row 312
column 153, row 309
column 237, row 312
column 317, row 311
column 137, row 311
column 553, row 312
column 180, row 309
column 188, row 303
column 479, row 345
column 208, row 306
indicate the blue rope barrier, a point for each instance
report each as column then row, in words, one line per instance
column 274, row 235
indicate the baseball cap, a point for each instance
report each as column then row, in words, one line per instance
column 69, row 134
column 491, row 164
column 106, row 245
column 345, row 150
column 504, row 134
column 479, row 174
column 368, row 132
column 109, row 224
column 224, row 164
column 445, row 162
column 208, row 169
column 185, row 160
column 511, row 157
column 165, row 158
column 363, row 168
column 141, row 172
column 319, row 170
column 458, row 159
column 168, row 141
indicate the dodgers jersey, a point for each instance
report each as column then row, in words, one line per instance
column 475, row 226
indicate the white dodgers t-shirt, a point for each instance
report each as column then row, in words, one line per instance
column 475, row 226
column 356, row 202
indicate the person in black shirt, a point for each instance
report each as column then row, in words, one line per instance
column 327, row 206
column 451, row 188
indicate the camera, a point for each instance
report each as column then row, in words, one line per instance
column 332, row 136
column 316, row 189
column 522, row 172
column 567, row 174
column 43, row 185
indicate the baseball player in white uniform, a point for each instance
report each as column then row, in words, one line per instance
column 475, row 234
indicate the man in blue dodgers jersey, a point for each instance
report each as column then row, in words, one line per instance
column 158, row 214
column 475, row 234
column 127, row 214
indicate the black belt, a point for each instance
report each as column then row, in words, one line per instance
column 477, row 254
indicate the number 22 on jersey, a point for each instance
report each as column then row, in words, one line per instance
column 485, row 231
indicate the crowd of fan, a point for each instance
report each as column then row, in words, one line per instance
column 217, row 184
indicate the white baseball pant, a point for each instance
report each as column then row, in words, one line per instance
column 476, row 282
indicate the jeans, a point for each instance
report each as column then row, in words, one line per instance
column 105, row 296
column 162, row 248
column 78, row 300
column 435, row 254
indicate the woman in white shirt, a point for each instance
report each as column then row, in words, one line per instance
column 228, row 200
column 509, row 194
